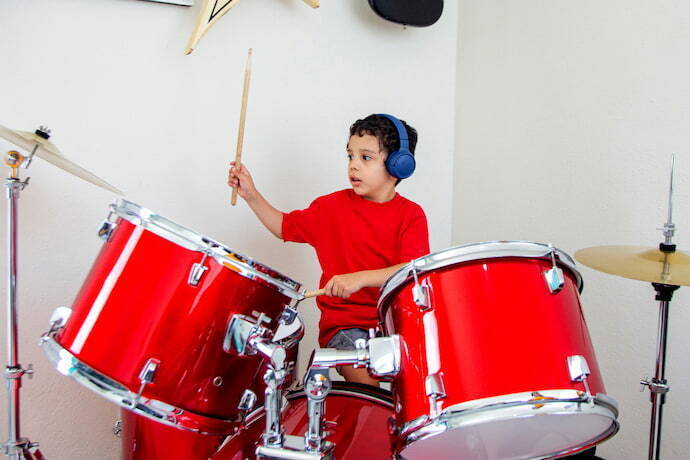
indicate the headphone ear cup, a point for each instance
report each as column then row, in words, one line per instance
column 401, row 164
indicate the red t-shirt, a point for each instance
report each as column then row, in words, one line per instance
column 351, row 234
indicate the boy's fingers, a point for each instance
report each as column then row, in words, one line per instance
column 329, row 288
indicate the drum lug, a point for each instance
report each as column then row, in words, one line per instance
column 197, row 272
column 579, row 371
column 117, row 428
column 58, row 319
column 148, row 372
column 392, row 426
column 554, row 276
column 247, row 402
column 435, row 388
column 420, row 293
column 107, row 227
column 146, row 376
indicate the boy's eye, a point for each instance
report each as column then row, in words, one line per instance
column 349, row 156
column 366, row 157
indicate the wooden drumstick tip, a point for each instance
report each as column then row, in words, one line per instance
column 243, row 114
column 316, row 293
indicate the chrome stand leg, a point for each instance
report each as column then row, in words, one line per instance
column 658, row 386
column 16, row 447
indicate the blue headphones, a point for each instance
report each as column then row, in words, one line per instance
column 400, row 163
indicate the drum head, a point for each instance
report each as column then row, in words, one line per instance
column 475, row 252
column 505, row 434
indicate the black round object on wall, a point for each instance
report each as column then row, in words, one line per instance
column 418, row 13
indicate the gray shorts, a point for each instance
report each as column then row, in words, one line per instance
column 345, row 339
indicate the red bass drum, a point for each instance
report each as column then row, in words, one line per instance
column 496, row 358
column 147, row 328
column 357, row 419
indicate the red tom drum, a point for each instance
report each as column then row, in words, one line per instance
column 496, row 358
column 146, row 330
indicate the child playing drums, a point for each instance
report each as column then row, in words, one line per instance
column 361, row 235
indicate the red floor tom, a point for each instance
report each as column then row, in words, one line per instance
column 497, row 362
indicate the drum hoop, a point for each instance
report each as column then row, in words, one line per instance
column 194, row 241
column 68, row 364
column 473, row 252
column 340, row 388
column 552, row 401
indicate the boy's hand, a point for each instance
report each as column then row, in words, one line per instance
column 345, row 285
column 242, row 180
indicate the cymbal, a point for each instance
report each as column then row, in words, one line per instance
column 639, row 263
column 49, row 152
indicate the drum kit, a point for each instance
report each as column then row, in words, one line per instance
column 485, row 344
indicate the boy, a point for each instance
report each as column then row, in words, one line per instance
column 361, row 235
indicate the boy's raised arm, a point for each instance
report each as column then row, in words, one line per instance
column 267, row 214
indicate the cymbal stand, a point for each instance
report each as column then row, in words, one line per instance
column 658, row 385
column 16, row 447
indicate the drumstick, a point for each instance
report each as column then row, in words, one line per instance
column 314, row 293
column 243, row 113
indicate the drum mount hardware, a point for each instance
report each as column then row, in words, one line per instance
column 248, row 336
column 313, row 445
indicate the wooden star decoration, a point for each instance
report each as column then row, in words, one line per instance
column 211, row 11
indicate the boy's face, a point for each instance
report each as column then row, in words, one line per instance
column 367, row 171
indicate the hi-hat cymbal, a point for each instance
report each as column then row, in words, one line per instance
column 50, row 153
column 639, row 263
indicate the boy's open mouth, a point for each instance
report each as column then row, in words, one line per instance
column 355, row 181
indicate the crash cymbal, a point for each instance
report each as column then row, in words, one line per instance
column 639, row 263
column 49, row 152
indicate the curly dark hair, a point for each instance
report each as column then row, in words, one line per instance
column 385, row 131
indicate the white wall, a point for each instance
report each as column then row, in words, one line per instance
column 111, row 80
column 567, row 115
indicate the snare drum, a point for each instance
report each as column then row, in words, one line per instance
column 146, row 330
column 356, row 421
column 497, row 362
